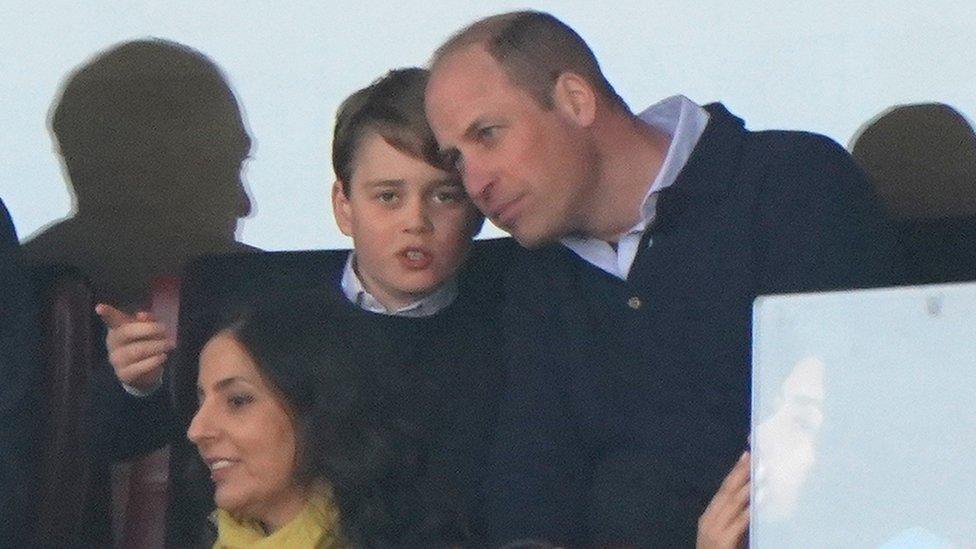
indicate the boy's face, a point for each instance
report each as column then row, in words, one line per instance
column 411, row 223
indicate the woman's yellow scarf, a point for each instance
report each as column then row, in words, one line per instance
column 317, row 526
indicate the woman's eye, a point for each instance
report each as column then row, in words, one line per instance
column 239, row 400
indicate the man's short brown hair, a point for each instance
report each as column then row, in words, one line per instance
column 393, row 108
column 534, row 48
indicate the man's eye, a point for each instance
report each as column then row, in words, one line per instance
column 387, row 197
column 239, row 400
column 488, row 133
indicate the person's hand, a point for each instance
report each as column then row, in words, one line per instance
column 726, row 519
column 137, row 346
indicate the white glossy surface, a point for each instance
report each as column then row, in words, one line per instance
column 864, row 419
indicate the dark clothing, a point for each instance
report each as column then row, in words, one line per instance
column 442, row 373
column 628, row 401
column 20, row 393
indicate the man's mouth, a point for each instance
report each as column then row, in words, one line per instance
column 506, row 214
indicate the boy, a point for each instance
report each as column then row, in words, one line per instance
column 412, row 227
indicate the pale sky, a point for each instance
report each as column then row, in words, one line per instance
column 827, row 67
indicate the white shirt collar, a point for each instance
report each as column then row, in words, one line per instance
column 430, row 305
column 685, row 122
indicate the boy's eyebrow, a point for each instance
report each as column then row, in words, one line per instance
column 385, row 183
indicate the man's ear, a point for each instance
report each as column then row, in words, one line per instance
column 574, row 96
column 342, row 209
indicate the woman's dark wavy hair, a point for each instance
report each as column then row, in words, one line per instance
column 347, row 430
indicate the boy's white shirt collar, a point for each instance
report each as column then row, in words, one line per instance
column 432, row 304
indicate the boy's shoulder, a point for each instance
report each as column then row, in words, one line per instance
column 291, row 268
column 241, row 277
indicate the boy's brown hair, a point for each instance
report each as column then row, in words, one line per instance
column 392, row 107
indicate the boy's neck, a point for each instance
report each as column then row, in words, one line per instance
column 357, row 291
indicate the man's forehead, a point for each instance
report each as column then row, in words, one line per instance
column 468, row 72
column 462, row 88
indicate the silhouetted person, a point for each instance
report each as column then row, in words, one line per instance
column 153, row 143
column 19, row 382
column 922, row 161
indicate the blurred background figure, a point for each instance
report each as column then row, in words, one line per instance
column 922, row 161
column 18, row 393
column 153, row 144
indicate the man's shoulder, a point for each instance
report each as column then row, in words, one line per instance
column 779, row 144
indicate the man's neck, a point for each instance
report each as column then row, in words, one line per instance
column 631, row 157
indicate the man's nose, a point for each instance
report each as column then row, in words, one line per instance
column 478, row 182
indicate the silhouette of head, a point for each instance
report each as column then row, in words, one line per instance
column 150, row 130
column 922, row 160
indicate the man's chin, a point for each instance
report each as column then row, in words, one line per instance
column 531, row 241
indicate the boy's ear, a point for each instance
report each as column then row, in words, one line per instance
column 575, row 97
column 342, row 209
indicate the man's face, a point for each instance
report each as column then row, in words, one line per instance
column 411, row 223
column 529, row 169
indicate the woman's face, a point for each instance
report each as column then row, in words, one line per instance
column 245, row 435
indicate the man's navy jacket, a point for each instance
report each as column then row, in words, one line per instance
column 628, row 400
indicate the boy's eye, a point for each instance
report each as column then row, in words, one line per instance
column 239, row 400
column 448, row 195
column 452, row 160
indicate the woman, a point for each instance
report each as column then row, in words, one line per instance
column 290, row 426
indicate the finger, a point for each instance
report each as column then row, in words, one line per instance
column 145, row 316
column 732, row 495
column 134, row 332
column 738, row 476
column 111, row 316
column 144, row 373
column 128, row 355
column 741, row 499
column 739, row 526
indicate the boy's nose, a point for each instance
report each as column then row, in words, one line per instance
column 418, row 217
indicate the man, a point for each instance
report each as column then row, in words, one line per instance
column 628, row 324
